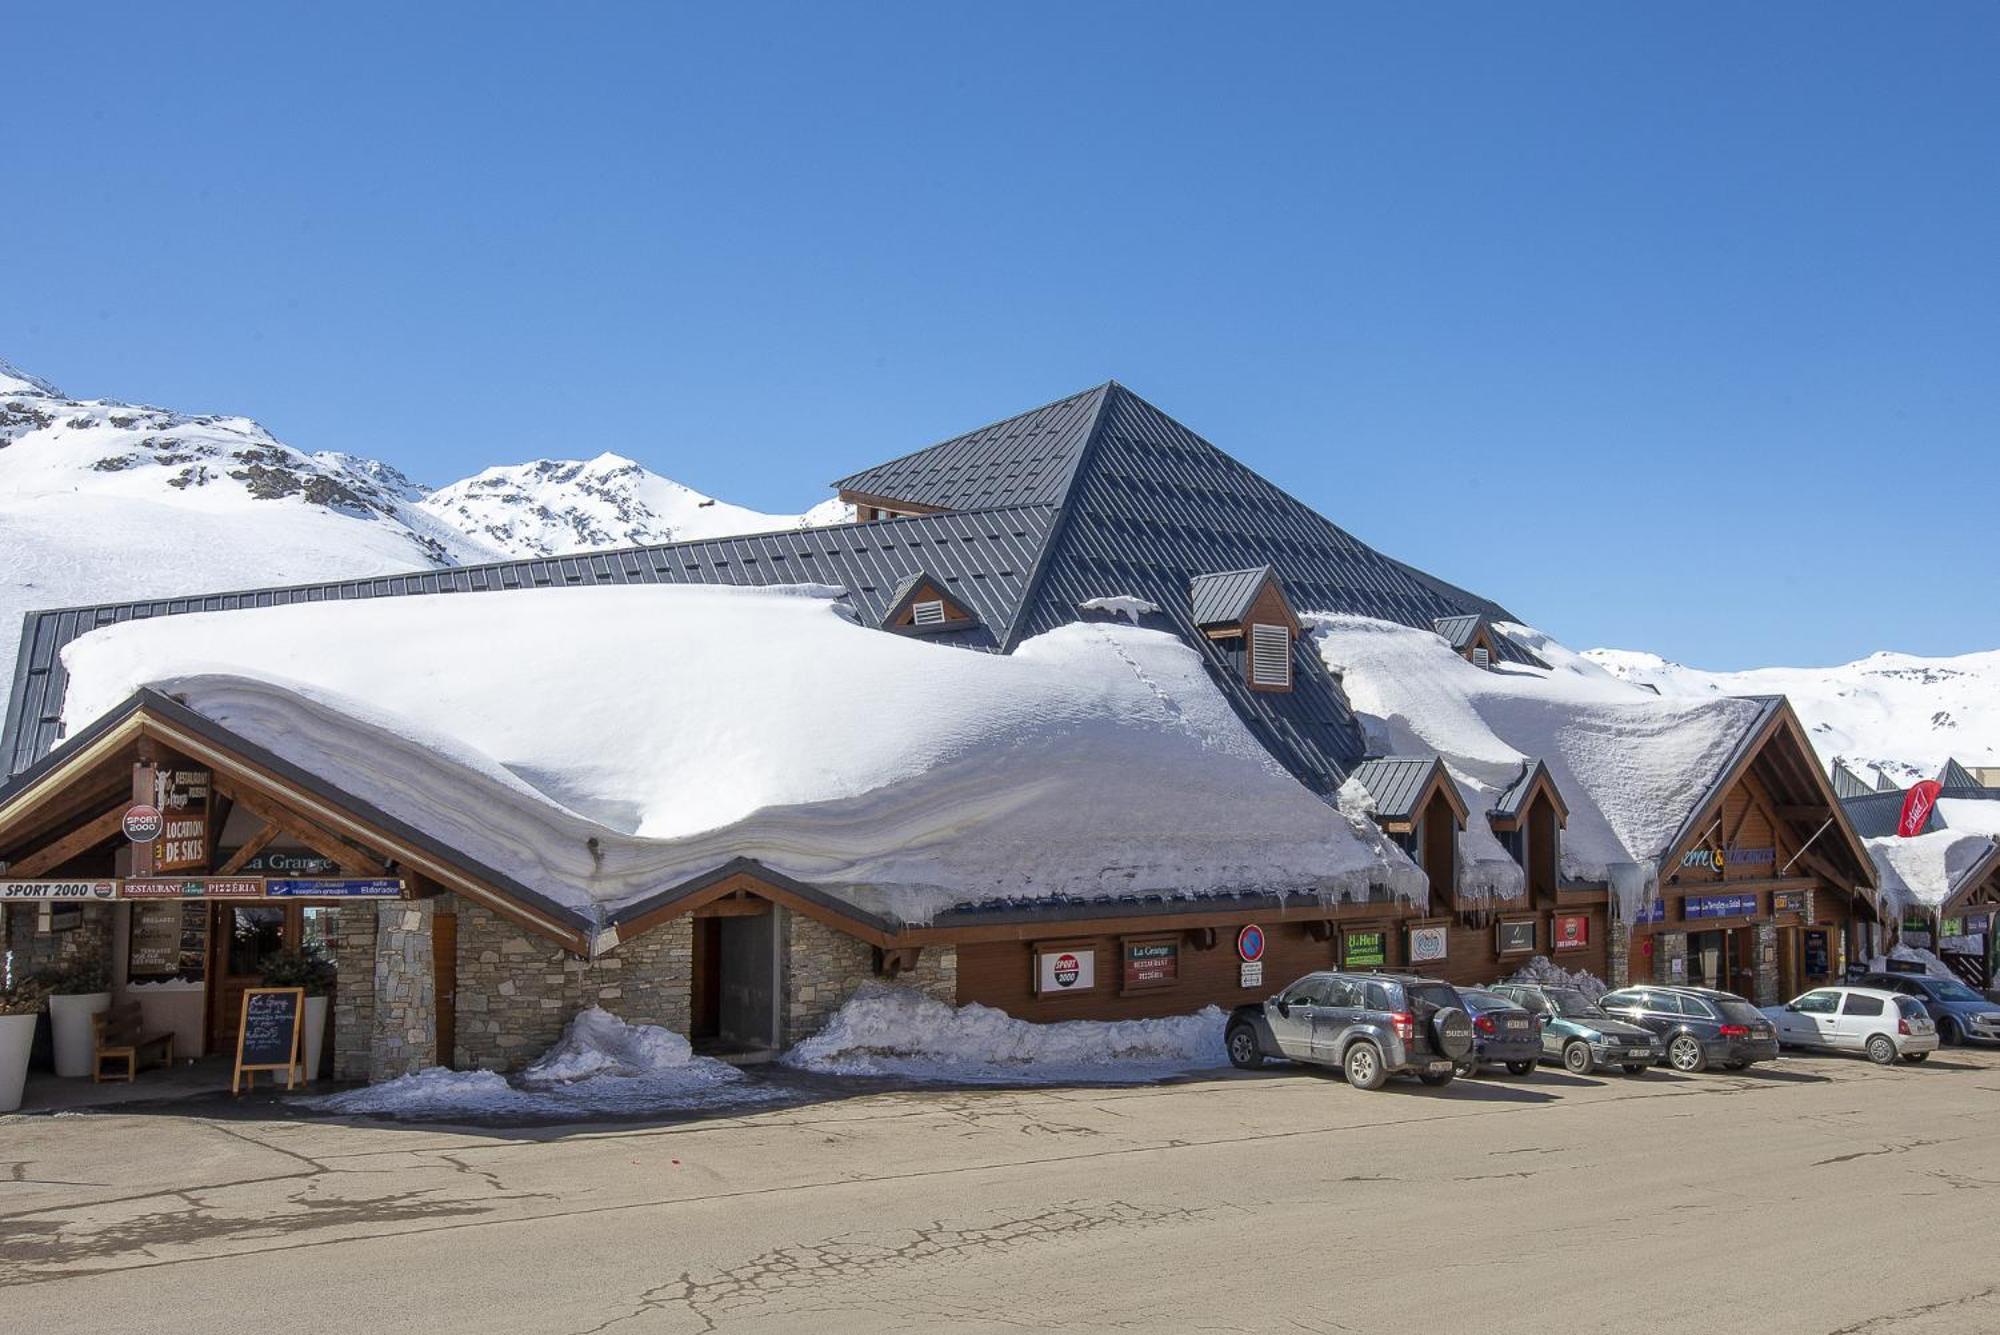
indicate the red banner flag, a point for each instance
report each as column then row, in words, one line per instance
column 1917, row 806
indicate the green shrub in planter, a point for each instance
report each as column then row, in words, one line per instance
column 24, row 998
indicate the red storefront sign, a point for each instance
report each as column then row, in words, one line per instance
column 205, row 887
column 1572, row 931
column 1153, row 961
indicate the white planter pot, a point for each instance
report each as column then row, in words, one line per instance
column 17, row 1036
column 315, row 1032
column 69, row 1017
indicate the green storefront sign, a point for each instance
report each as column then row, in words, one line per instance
column 1361, row 950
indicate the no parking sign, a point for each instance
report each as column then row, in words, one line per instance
column 1250, row 950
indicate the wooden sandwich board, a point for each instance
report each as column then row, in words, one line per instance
column 268, row 1037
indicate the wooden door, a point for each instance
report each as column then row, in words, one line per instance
column 444, row 985
column 241, row 937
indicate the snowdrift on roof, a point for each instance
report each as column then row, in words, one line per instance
column 1631, row 766
column 682, row 726
column 1922, row 872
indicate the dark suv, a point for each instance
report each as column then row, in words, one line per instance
column 1700, row 1025
column 1370, row 1025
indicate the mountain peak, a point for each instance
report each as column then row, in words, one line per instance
column 13, row 380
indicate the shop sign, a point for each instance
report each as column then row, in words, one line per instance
column 1788, row 901
column 380, row 888
column 1065, row 971
column 1719, row 906
column 1152, row 963
column 1363, row 950
column 1250, row 973
column 1250, row 944
column 182, row 798
column 1428, row 943
column 59, row 890
column 204, row 887
column 291, row 864
column 1654, row 911
column 143, row 823
column 1952, row 927
column 1719, row 859
column 1517, row 938
column 1978, row 924
column 153, row 945
column 1571, row 931
column 1915, row 922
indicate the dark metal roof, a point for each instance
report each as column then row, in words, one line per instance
column 1885, row 784
column 1956, row 778
column 1459, row 631
column 1025, row 460
column 1516, row 793
column 1846, row 783
column 1396, row 783
column 1876, row 815
column 980, row 560
column 1225, row 597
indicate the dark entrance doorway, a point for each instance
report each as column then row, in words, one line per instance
column 734, row 1006
column 242, row 938
column 1724, row 959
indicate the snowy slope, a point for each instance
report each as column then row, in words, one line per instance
column 1895, row 712
column 554, row 506
column 103, row 501
column 1096, row 760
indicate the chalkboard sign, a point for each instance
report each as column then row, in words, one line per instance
column 268, row 1038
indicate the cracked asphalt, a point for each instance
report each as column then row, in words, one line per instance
column 1820, row 1196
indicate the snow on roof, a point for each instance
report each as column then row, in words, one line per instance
column 1631, row 766
column 1924, row 871
column 682, row 726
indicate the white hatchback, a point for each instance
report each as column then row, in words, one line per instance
column 1883, row 1025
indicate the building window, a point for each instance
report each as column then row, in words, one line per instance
column 1481, row 659
column 929, row 613
column 1271, row 657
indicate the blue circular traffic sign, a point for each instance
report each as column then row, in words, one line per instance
column 1250, row 944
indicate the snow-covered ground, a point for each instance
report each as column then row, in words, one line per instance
column 554, row 506
column 1541, row 969
column 896, row 1031
column 1899, row 713
column 1631, row 765
column 1097, row 760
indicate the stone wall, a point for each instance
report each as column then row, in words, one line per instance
column 405, row 1028
column 516, row 991
column 823, row 967
column 39, row 952
column 1767, row 965
column 1618, row 955
column 353, row 939
column 1668, row 947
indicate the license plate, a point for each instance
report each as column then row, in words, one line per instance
column 1439, row 1068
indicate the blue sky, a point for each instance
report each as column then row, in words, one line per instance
column 1674, row 327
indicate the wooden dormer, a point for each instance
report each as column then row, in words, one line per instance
column 920, row 606
column 1419, row 805
column 1471, row 637
column 1248, row 609
column 1529, row 819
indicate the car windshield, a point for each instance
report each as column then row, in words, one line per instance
column 1950, row 989
column 1575, row 1005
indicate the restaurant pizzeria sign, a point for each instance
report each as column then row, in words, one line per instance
column 203, row 887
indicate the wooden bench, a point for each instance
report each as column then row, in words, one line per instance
column 119, row 1035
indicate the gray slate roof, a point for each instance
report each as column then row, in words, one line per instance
column 1516, row 793
column 1876, row 815
column 1957, row 779
column 1846, row 783
column 1396, row 782
column 1224, row 597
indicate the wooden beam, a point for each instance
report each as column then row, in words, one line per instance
column 252, row 846
column 732, row 908
column 77, row 842
column 352, row 860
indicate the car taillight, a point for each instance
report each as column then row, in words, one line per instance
column 1902, row 1026
column 1484, row 1024
column 1734, row 1031
column 1404, row 1024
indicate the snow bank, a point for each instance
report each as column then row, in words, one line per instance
column 887, row 1030
column 1541, row 969
column 1933, row 966
column 598, row 744
column 1923, row 871
column 1631, row 766
column 600, row 1065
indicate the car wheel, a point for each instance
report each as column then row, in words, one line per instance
column 1364, row 1067
column 1466, row 1066
column 1685, row 1054
column 1520, row 1068
column 1882, row 1050
column 1736, row 1066
column 1949, row 1033
column 1243, row 1050
column 1634, row 1068
column 1915, row 1057
column 1576, row 1058
column 1438, row 1081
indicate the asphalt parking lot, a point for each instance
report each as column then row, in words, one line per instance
column 1819, row 1195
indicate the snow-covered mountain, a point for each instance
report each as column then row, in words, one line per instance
column 1897, row 713
column 558, row 505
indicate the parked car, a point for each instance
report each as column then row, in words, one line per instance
column 1961, row 1014
column 1580, row 1034
column 1370, row 1025
column 1873, row 1020
column 1503, row 1031
column 1699, row 1025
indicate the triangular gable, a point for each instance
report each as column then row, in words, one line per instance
column 1223, row 601
column 910, row 610
column 1956, row 778
column 1979, row 884
column 166, row 722
column 1846, row 783
column 748, row 876
column 1403, row 786
column 1520, row 795
column 1028, row 459
column 1885, row 784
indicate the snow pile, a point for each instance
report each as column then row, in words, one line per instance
column 1096, row 760
column 1123, row 604
column 1541, row 969
column 1924, row 871
column 554, row 506
column 600, row 1065
column 1933, row 966
column 1631, row 766
column 1898, row 713
column 885, row 1030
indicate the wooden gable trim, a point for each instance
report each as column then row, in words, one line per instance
column 745, row 883
column 1980, row 884
column 1541, row 785
column 72, row 845
column 861, row 498
column 903, row 617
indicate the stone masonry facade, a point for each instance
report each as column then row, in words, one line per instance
column 404, row 1039
column 824, row 967
column 89, row 942
column 353, row 989
column 516, row 990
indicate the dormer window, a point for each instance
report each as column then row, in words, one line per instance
column 1482, row 657
column 920, row 606
column 929, row 612
column 1245, row 613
